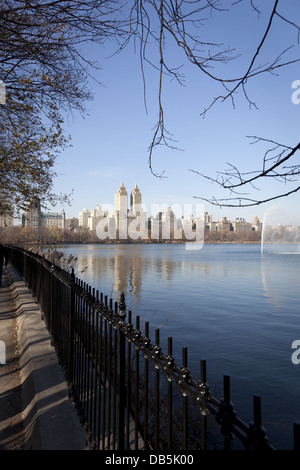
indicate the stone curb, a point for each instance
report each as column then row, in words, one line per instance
column 51, row 421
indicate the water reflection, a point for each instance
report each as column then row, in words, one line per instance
column 280, row 277
column 171, row 271
column 229, row 304
column 131, row 269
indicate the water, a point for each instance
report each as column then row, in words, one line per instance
column 229, row 304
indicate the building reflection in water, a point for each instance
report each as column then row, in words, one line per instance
column 124, row 269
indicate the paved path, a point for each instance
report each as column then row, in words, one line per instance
column 36, row 412
column 11, row 423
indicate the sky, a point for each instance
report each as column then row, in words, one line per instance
column 111, row 144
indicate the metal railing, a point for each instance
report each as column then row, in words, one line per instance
column 128, row 392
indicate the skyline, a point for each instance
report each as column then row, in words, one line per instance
column 131, row 203
column 111, row 144
column 271, row 215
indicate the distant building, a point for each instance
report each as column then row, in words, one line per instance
column 32, row 216
column 72, row 224
column 224, row 225
column 207, row 218
column 83, row 217
column 53, row 219
column 240, row 226
column 95, row 217
column 132, row 222
column 135, row 201
column 168, row 227
column 35, row 218
column 256, row 224
column 6, row 220
column 121, row 211
column 121, row 200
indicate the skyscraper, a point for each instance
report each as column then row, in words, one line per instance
column 121, row 200
column 121, row 209
column 135, row 201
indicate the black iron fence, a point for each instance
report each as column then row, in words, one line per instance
column 128, row 392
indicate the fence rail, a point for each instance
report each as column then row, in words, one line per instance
column 128, row 392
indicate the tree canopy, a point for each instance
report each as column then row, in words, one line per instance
column 45, row 75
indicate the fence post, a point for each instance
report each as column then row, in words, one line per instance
column 226, row 414
column 203, row 388
column 185, row 377
column 296, row 436
column 257, row 437
column 121, row 376
column 71, row 333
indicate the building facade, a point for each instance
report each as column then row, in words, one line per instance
column 6, row 220
column 32, row 216
column 121, row 200
column 53, row 219
column 135, row 201
column 95, row 217
column 83, row 218
column 35, row 218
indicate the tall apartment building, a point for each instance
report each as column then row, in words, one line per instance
column 95, row 216
column 135, row 201
column 35, row 218
column 71, row 224
column 121, row 211
column 32, row 216
column 83, row 217
column 121, row 200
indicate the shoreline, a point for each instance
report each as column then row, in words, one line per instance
column 124, row 242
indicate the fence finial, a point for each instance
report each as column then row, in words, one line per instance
column 122, row 306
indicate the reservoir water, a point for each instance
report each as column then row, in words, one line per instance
column 230, row 304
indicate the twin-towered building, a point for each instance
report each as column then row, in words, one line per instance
column 89, row 219
column 121, row 201
column 116, row 218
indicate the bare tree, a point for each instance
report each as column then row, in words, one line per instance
column 279, row 161
column 46, row 75
column 46, row 72
column 181, row 22
column 274, row 165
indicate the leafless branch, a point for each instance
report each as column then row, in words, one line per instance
column 273, row 167
column 244, row 202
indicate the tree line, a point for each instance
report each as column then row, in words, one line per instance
column 55, row 236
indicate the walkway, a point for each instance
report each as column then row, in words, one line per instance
column 35, row 410
column 11, row 423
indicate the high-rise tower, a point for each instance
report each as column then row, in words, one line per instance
column 135, row 201
column 121, row 199
column 121, row 208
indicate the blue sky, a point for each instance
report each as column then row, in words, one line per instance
column 111, row 144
